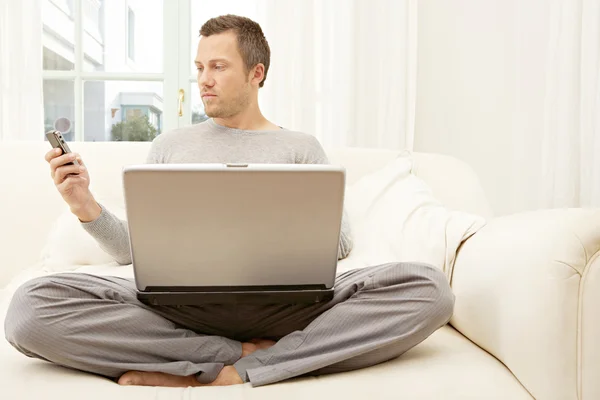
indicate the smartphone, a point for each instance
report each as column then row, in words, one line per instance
column 56, row 140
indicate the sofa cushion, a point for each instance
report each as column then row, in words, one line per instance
column 69, row 246
column 395, row 217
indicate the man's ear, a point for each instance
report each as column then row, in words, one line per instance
column 257, row 74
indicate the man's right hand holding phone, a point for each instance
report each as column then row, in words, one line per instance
column 72, row 182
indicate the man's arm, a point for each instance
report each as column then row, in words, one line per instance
column 315, row 154
column 346, row 243
column 112, row 233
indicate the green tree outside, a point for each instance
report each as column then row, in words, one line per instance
column 137, row 129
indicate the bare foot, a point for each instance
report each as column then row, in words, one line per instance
column 227, row 376
column 255, row 344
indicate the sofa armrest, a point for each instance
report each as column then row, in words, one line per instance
column 527, row 290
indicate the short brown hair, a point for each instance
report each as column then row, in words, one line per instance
column 252, row 43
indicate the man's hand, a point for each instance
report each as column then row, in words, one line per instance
column 72, row 182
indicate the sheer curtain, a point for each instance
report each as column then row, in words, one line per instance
column 342, row 70
column 571, row 137
column 21, row 101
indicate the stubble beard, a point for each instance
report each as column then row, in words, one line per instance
column 232, row 108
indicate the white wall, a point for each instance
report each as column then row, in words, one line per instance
column 480, row 91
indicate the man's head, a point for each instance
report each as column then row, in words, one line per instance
column 232, row 60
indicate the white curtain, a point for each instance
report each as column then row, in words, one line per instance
column 343, row 70
column 571, row 139
column 21, row 101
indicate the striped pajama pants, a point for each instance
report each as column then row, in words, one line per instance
column 96, row 324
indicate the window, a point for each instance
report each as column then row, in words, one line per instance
column 133, row 113
column 106, row 62
column 131, row 34
column 91, row 88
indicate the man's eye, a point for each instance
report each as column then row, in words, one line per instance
column 199, row 69
column 219, row 67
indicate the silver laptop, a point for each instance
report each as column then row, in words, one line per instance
column 234, row 233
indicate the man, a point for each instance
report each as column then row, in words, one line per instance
column 96, row 324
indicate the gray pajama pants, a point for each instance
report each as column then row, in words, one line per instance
column 96, row 324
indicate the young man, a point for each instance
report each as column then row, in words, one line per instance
column 96, row 324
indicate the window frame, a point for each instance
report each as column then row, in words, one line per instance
column 175, row 22
column 130, row 32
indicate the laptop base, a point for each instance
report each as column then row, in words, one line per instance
column 173, row 298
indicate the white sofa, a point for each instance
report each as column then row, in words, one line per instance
column 525, row 323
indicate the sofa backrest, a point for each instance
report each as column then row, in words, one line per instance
column 30, row 204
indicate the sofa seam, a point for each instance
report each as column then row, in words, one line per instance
column 580, row 305
column 585, row 255
column 495, row 357
column 575, row 270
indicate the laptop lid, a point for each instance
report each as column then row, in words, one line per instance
column 234, row 225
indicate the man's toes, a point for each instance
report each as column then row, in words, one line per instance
column 129, row 378
column 139, row 378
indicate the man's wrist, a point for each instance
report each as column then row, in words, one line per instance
column 88, row 213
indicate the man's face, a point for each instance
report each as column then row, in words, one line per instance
column 222, row 79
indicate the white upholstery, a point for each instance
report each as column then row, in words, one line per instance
column 526, row 288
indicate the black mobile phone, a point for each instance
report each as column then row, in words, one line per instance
column 58, row 142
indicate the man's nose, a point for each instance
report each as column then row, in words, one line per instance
column 204, row 79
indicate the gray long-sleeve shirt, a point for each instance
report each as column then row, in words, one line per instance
column 209, row 142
